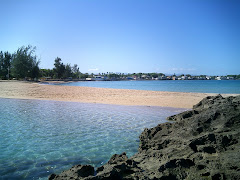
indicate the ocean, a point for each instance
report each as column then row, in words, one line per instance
column 197, row 86
column 40, row 137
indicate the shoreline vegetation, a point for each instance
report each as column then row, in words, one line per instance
column 24, row 65
column 32, row 90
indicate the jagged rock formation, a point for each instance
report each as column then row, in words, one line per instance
column 202, row 143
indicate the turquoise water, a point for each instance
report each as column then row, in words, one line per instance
column 201, row 86
column 43, row 137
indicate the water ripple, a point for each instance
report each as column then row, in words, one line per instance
column 43, row 137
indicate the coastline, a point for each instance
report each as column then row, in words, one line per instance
column 31, row 90
column 202, row 143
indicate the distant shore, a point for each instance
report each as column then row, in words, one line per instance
column 31, row 90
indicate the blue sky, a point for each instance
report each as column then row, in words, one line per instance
column 169, row 36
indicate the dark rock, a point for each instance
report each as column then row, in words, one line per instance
column 115, row 159
column 52, row 176
column 218, row 177
column 76, row 172
column 206, row 174
column 202, row 143
column 181, row 163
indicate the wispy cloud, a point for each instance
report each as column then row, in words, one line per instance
column 94, row 69
column 183, row 69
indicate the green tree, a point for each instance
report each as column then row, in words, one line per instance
column 84, row 76
column 139, row 75
column 75, row 71
column 203, row 76
column 47, row 73
column 154, row 75
column 67, row 71
column 5, row 65
column 25, row 63
column 59, row 68
column 1, row 65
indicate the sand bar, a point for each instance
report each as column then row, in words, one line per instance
column 27, row 90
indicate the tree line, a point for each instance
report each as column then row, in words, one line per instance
column 61, row 71
column 21, row 64
column 24, row 64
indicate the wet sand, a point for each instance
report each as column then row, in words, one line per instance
column 29, row 90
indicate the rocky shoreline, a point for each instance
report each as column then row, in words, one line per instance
column 202, row 143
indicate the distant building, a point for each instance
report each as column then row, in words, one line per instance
column 129, row 78
column 98, row 78
column 162, row 78
column 184, row 78
column 135, row 77
column 230, row 78
column 208, row 77
column 144, row 76
column 201, row 78
column 89, row 79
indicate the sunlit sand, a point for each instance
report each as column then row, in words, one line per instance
column 26, row 90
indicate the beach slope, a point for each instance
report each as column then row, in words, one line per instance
column 28, row 90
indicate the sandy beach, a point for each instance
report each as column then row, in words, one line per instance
column 30, row 90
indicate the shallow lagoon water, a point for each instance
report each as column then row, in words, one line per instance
column 41, row 137
column 198, row 86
